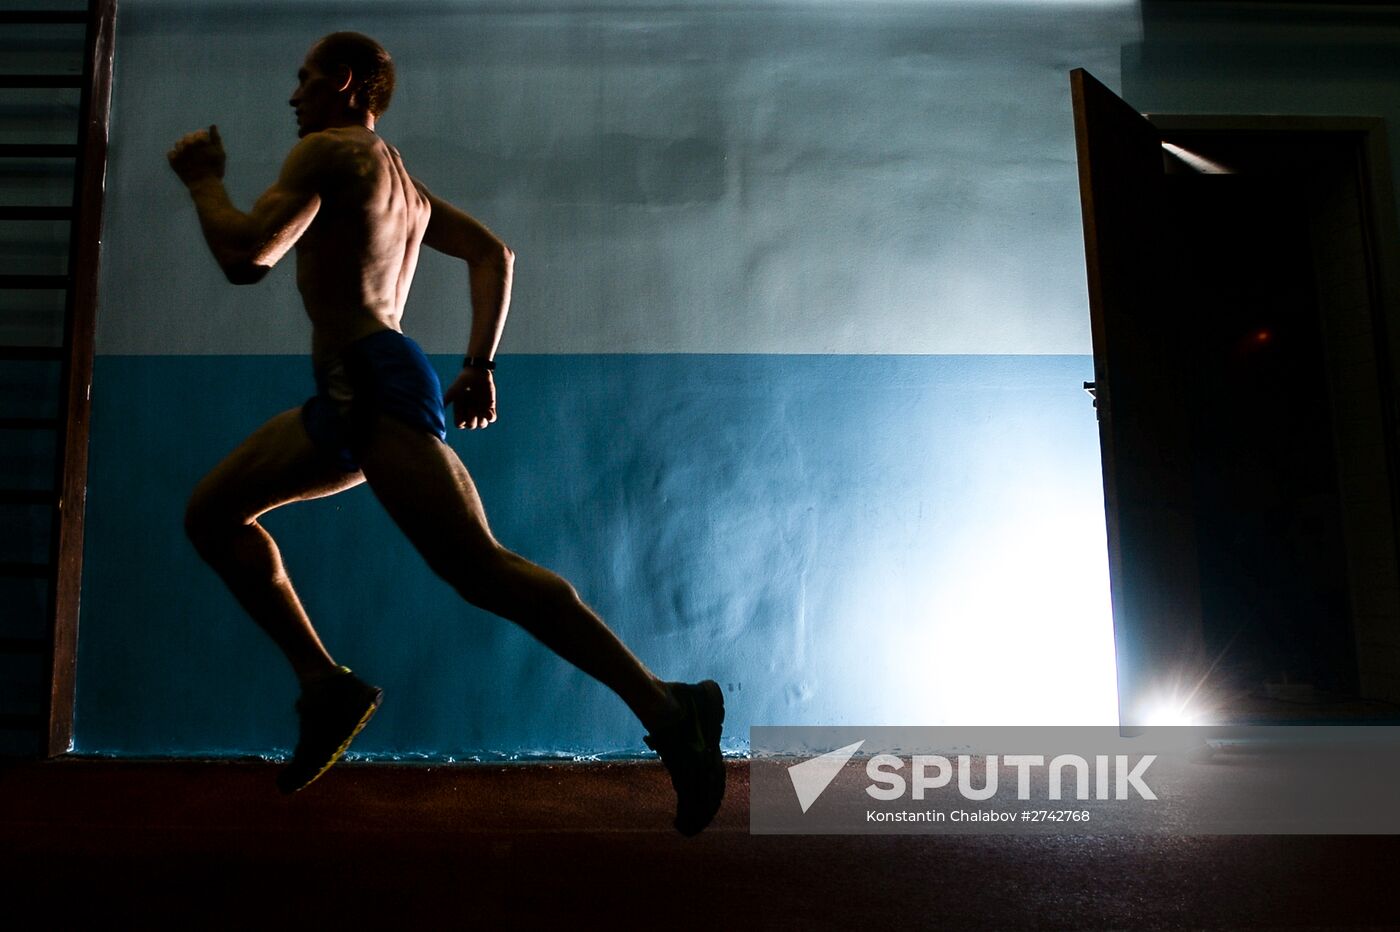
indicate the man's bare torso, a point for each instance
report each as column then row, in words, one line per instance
column 356, row 261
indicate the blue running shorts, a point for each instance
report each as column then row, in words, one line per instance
column 385, row 372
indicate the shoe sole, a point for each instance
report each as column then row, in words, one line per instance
column 344, row 745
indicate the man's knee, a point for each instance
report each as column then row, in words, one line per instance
column 476, row 572
column 208, row 525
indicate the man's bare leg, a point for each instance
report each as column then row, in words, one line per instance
column 276, row 465
column 429, row 494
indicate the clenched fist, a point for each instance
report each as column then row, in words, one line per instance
column 473, row 399
column 198, row 155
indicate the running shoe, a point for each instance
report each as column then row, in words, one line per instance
column 332, row 712
column 690, row 750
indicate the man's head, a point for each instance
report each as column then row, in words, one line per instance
column 345, row 76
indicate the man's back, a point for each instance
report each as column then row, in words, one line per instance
column 355, row 262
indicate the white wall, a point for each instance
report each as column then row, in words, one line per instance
column 787, row 178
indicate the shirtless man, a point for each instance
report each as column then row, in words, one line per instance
column 357, row 220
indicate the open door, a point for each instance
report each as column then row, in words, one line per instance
column 1144, row 430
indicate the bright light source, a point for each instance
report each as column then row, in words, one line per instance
column 1186, row 701
column 1172, row 713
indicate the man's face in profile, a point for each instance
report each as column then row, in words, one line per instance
column 317, row 96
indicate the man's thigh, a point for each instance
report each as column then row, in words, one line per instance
column 426, row 490
column 277, row 464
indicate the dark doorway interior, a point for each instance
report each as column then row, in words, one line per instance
column 1267, row 266
column 1272, row 565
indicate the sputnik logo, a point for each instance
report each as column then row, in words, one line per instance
column 811, row 777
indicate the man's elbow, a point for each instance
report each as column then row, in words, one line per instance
column 498, row 257
column 245, row 273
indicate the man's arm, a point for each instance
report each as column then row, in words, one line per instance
column 490, row 265
column 247, row 246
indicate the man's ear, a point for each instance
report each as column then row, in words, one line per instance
column 344, row 78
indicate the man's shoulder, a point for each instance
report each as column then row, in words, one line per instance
column 327, row 143
column 328, row 153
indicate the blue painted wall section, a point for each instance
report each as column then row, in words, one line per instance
column 831, row 537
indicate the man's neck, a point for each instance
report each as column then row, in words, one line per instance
column 365, row 120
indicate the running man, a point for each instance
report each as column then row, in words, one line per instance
column 357, row 220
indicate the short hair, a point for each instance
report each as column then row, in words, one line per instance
column 370, row 66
